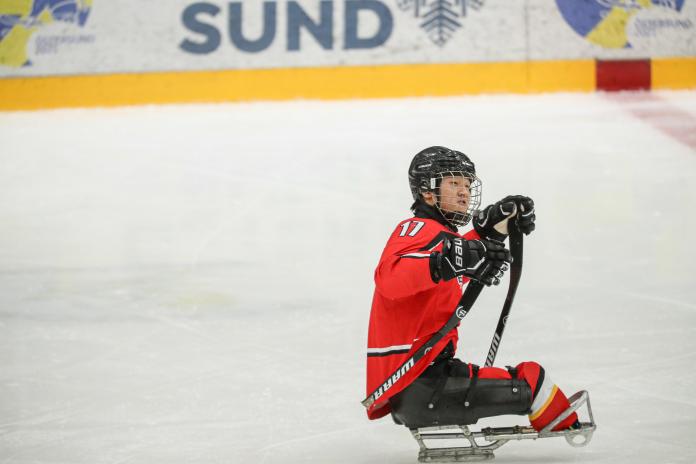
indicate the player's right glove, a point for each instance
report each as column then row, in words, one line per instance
column 481, row 260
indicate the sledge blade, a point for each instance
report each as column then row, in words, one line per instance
column 471, row 453
column 455, row 455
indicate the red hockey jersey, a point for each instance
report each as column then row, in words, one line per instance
column 407, row 306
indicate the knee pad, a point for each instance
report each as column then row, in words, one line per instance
column 533, row 374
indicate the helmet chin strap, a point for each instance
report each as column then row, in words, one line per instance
column 455, row 218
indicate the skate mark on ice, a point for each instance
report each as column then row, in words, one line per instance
column 635, row 370
column 318, row 435
column 646, row 393
column 659, row 299
column 660, row 114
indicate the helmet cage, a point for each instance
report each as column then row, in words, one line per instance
column 430, row 166
column 457, row 218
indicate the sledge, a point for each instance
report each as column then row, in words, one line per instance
column 479, row 446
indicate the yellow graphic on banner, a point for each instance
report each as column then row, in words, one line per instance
column 16, row 7
column 13, row 44
column 13, row 47
column 611, row 31
column 20, row 19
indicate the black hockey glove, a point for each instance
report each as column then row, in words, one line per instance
column 481, row 260
column 492, row 221
column 526, row 216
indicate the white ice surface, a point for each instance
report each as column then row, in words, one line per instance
column 192, row 284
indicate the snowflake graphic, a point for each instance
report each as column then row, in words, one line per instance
column 440, row 18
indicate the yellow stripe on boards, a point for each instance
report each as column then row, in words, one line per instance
column 388, row 81
column 536, row 415
column 673, row 73
column 561, row 76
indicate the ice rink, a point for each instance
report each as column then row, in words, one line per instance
column 192, row 284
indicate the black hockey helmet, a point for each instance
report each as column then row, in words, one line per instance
column 428, row 168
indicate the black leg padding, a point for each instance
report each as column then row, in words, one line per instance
column 462, row 401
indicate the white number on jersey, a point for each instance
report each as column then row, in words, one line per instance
column 417, row 226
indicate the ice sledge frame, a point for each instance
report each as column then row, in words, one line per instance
column 498, row 436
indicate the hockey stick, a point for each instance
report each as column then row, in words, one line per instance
column 465, row 303
column 516, row 249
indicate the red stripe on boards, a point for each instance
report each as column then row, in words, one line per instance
column 616, row 75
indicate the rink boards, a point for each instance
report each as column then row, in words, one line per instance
column 79, row 53
column 344, row 82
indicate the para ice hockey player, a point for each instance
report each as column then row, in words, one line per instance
column 419, row 280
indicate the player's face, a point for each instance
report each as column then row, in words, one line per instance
column 455, row 193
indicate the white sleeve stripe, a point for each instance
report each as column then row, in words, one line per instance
column 416, row 255
column 389, row 348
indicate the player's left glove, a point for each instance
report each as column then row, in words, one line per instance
column 526, row 216
column 493, row 221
